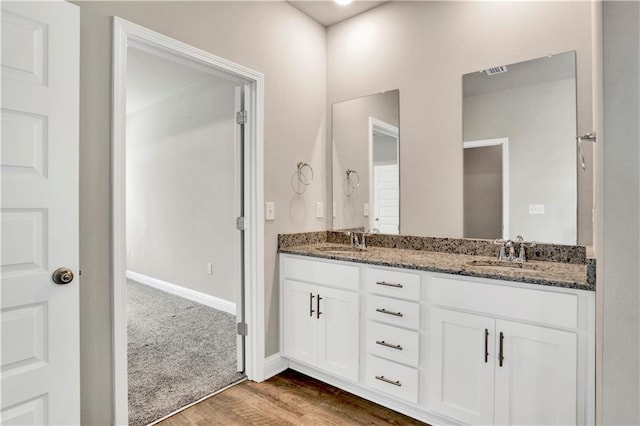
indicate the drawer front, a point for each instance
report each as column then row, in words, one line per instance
column 393, row 379
column 325, row 273
column 393, row 343
column 546, row 307
column 404, row 285
column 393, row 311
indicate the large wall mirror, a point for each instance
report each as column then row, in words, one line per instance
column 520, row 169
column 366, row 163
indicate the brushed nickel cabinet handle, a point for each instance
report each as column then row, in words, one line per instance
column 384, row 311
column 389, row 345
column 396, row 285
column 486, row 345
column 501, row 355
column 311, row 310
column 318, row 307
column 392, row 382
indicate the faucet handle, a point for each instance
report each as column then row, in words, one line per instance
column 519, row 238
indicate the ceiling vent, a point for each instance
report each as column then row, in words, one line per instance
column 496, row 70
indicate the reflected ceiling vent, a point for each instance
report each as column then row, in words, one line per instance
column 496, row 70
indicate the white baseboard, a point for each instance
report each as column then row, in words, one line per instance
column 196, row 296
column 274, row 364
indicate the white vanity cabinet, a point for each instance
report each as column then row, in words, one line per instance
column 442, row 348
column 488, row 369
column 321, row 313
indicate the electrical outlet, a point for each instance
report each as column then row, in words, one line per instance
column 536, row 208
column 366, row 209
column 319, row 210
column 210, row 268
column 270, row 211
column 334, row 209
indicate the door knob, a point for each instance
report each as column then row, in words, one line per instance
column 62, row 276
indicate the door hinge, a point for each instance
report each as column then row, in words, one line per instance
column 241, row 117
column 242, row 223
column 243, row 329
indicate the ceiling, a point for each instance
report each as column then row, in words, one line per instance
column 327, row 12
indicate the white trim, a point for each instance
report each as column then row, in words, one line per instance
column 125, row 33
column 275, row 364
column 186, row 293
column 389, row 130
column 505, row 175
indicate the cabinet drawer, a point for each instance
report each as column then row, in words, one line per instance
column 394, row 379
column 326, row 273
column 393, row 343
column 393, row 311
column 547, row 307
column 403, row 285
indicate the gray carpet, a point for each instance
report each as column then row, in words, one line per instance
column 178, row 352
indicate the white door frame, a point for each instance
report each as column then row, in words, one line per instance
column 504, row 142
column 390, row 130
column 124, row 34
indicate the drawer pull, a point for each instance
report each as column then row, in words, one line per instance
column 396, row 285
column 486, row 345
column 384, row 311
column 389, row 345
column 391, row 382
column 318, row 313
column 501, row 354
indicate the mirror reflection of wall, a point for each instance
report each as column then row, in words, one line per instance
column 366, row 141
column 533, row 104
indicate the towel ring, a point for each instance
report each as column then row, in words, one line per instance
column 349, row 186
column 301, row 178
column 589, row 137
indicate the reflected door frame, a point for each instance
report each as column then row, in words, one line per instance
column 504, row 142
column 389, row 130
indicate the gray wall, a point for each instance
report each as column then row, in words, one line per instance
column 182, row 190
column 619, row 267
column 539, row 121
column 423, row 49
column 483, row 192
column 255, row 34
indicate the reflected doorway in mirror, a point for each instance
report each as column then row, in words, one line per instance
column 384, row 175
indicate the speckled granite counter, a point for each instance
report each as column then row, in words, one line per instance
column 568, row 275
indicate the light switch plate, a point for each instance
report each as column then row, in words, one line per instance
column 270, row 211
column 536, row 208
column 319, row 210
column 366, row 209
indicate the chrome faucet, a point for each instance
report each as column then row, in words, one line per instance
column 509, row 247
column 357, row 241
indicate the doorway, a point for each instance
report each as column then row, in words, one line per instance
column 384, row 169
column 187, row 171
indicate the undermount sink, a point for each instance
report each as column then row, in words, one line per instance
column 503, row 265
column 341, row 250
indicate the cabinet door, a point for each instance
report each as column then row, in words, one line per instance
column 536, row 383
column 339, row 333
column 461, row 376
column 300, row 322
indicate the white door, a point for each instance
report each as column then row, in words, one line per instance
column 386, row 198
column 536, row 384
column 300, row 322
column 461, row 368
column 339, row 325
column 40, row 330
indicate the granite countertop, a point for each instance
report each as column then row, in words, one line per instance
column 544, row 273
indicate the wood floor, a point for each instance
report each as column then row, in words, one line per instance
column 289, row 398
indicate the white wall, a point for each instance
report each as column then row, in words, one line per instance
column 270, row 37
column 423, row 49
column 619, row 263
column 182, row 190
column 539, row 122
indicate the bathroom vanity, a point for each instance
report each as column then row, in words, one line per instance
column 442, row 336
